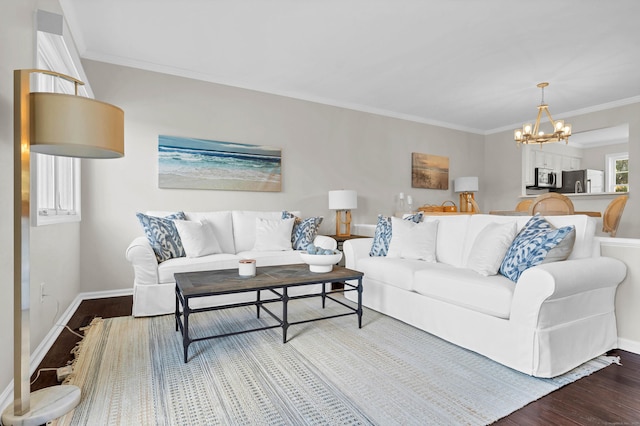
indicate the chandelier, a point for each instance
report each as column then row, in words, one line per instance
column 532, row 134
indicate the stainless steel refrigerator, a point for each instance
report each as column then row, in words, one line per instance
column 582, row 181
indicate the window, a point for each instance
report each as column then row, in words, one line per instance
column 618, row 172
column 55, row 180
column 58, row 188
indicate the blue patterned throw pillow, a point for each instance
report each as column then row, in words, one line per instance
column 382, row 237
column 304, row 230
column 163, row 235
column 538, row 242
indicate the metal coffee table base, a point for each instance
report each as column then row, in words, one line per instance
column 278, row 295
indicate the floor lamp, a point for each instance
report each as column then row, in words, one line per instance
column 54, row 124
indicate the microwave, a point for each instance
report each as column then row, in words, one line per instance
column 545, row 178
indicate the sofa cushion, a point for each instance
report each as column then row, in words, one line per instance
column 383, row 233
column 244, row 227
column 394, row 271
column 191, row 264
column 490, row 246
column 304, row 230
column 162, row 234
column 537, row 242
column 478, row 222
column 198, row 237
column 222, row 227
column 464, row 287
column 451, row 237
column 411, row 240
column 273, row 234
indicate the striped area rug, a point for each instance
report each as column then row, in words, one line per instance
column 131, row 372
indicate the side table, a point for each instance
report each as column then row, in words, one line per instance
column 341, row 239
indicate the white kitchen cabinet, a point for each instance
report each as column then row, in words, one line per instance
column 570, row 163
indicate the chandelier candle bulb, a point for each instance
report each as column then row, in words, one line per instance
column 567, row 129
column 517, row 134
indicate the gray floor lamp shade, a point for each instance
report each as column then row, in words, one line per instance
column 54, row 124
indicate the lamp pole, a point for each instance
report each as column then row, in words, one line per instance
column 55, row 124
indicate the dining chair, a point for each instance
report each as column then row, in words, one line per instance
column 612, row 215
column 523, row 206
column 551, row 204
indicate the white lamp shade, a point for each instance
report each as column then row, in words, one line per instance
column 466, row 184
column 343, row 199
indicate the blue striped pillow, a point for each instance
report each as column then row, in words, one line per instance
column 538, row 242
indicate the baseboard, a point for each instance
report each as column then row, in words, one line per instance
column 629, row 345
column 6, row 397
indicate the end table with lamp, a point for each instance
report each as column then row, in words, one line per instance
column 343, row 200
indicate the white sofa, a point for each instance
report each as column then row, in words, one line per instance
column 235, row 232
column 555, row 317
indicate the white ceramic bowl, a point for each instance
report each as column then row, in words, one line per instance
column 320, row 262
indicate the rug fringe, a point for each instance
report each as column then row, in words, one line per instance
column 614, row 359
column 78, row 347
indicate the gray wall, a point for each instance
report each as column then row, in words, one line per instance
column 323, row 148
column 594, row 158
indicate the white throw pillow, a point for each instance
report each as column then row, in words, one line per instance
column 490, row 247
column 273, row 234
column 198, row 238
column 411, row 240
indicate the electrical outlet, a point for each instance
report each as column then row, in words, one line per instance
column 41, row 292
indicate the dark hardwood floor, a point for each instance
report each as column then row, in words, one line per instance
column 610, row 396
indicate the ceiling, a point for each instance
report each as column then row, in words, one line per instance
column 463, row 64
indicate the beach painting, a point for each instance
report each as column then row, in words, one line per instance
column 189, row 163
column 429, row 171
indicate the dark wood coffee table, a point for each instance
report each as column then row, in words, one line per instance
column 274, row 279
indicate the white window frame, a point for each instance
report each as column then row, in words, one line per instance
column 55, row 181
column 611, row 169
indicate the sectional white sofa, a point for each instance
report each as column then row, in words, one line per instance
column 556, row 316
column 235, row 235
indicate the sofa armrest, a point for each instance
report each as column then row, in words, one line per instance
column 551, row 282
column 143, row 260
column 355, row 249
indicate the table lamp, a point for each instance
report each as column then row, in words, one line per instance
column 343, row 200
column 54, row 124
column 466, row 186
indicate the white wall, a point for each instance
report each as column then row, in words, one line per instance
column 594, row 158
column 55, row 249
column 323, row 148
